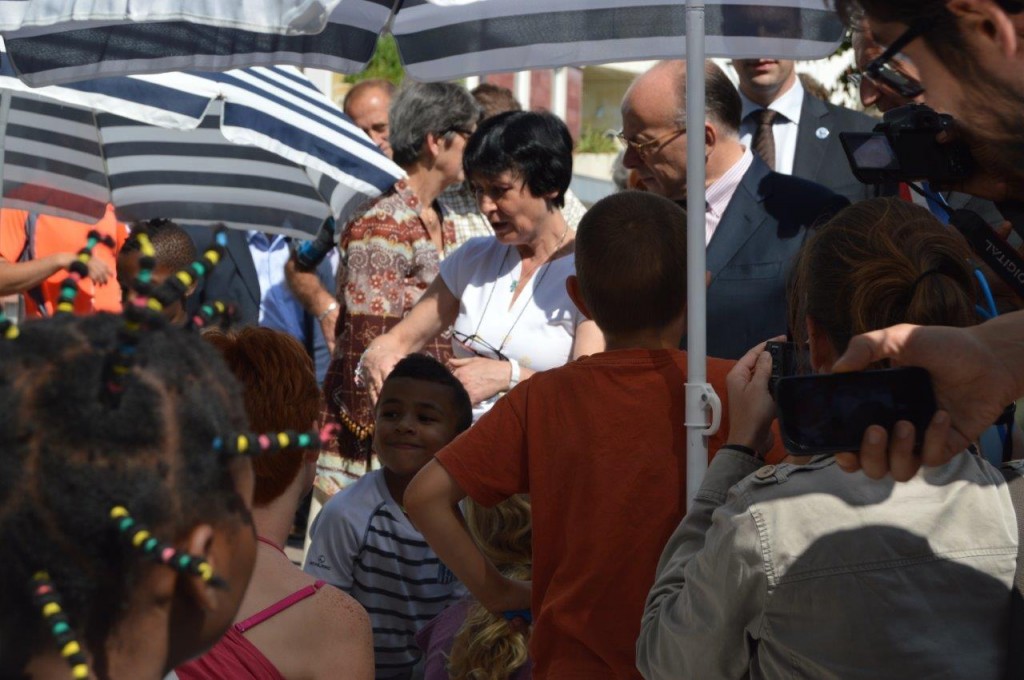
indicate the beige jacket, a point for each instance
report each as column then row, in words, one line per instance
column 810, row 572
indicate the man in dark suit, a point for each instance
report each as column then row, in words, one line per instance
column 795, row 133
column 756, row 219
column 261, row 297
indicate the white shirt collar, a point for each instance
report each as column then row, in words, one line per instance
column 790, row 104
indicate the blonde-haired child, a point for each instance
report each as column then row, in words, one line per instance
column 467, row 642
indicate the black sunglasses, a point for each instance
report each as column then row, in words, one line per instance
column 881, row 71
column 467, row 341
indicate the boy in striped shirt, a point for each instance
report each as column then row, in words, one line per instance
column 363, row 543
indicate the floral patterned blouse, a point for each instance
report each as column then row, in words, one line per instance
column 387, row 262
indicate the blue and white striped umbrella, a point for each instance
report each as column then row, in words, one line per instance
column 257, row 148
column 437, row 39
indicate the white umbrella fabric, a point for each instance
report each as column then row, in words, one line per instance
column 273, row 16
column 257, row 148
column 435, row 41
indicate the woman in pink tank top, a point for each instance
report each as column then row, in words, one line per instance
column 289, row 625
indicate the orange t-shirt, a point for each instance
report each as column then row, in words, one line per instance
column 600, row 446
column 59, row 235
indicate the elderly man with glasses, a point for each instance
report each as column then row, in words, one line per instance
column 756, row 219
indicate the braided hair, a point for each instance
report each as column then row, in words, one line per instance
column 71, row 459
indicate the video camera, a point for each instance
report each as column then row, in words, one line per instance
column 904, row 148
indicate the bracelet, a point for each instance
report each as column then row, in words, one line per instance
column 513, row 378
column 330, row 308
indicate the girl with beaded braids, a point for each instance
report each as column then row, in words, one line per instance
column 126, row 540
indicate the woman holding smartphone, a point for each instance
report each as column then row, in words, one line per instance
column 806, row 571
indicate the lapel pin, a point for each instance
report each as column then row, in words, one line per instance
column 822, row 133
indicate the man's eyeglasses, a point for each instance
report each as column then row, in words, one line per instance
column 467, row 341
column 644, row 149
column 891, row 75
column 880, row 71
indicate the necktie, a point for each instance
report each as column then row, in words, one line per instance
column 763, row 142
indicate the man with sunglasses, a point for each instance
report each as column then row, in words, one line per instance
column 795, row 133
column 756, row 219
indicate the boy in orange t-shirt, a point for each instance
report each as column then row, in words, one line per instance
column 599, row 445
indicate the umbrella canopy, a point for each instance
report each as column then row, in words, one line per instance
column 274, row 16
column 258, row 148
column 436, row 41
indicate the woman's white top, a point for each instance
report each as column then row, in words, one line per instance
column 537, row 330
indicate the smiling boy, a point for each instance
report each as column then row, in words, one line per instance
column 363, row 543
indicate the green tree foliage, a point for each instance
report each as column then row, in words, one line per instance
column 384, row 64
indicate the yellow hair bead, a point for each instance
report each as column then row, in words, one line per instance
column 51, row 608
column 12, row 332
column 155, row 304
column 213, row 256
column 205, row 571
column 83, row 258
column 282, row 439
column 80, row 672
column 184, row 277
column 70, row 649
column 118, row 511
column 243, row 444
column 139, row 537
column 41, row 576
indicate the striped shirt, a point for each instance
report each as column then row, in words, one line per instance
column 364, row 544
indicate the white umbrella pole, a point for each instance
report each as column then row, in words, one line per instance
column 698, row 393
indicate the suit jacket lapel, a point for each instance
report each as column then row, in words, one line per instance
column 742, row 217
column 238, row 251
column 810, row 151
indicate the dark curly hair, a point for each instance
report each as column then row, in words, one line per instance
column 534, row 146
column 69, row 456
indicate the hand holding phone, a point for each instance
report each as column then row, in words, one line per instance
column 828, row 413
column 751, row 409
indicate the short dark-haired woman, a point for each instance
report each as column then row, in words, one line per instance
column 503, row 296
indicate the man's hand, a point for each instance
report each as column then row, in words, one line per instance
column 313, row 297
column 751, row 408
column 976, row 372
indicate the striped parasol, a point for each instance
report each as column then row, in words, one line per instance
column 437, row 39
column 257, row 148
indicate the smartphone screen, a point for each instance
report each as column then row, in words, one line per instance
column 828, row 413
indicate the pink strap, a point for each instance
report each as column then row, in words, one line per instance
column 279, row 606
